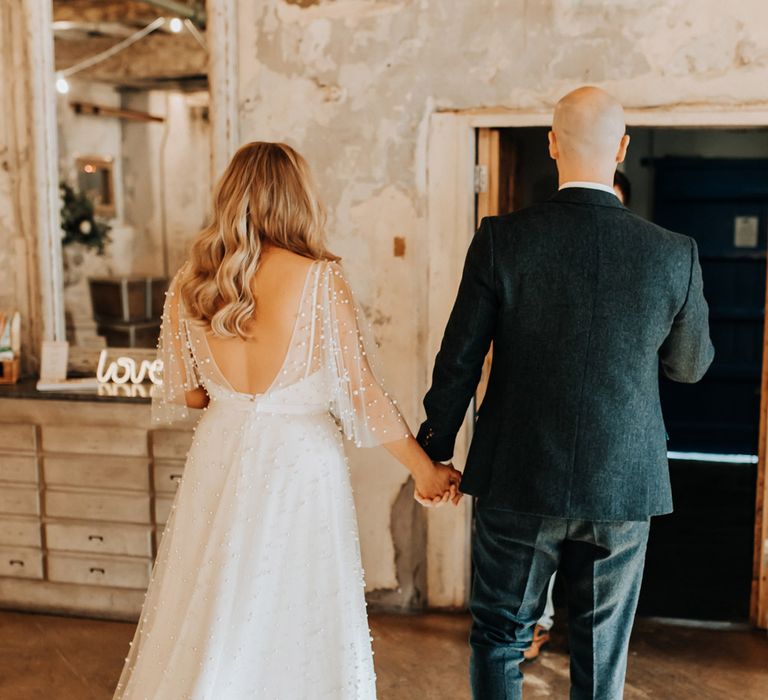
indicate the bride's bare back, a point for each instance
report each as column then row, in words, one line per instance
column 251, row 366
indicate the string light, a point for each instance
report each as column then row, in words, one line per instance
column 175, row 25
column 62, row 85
column 112, row 50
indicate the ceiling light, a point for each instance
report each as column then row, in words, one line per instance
column 176, row 25
column 62, row 85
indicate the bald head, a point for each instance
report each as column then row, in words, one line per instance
column 588, row 133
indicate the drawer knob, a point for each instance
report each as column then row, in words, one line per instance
column 97, row 570
column 175, row 477
column 95, row 538
column 16, row 562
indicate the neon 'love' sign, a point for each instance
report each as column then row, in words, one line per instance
column 124, row 370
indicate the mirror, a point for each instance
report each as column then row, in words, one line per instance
column 134, row 145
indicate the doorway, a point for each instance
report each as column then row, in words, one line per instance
column 711, row 184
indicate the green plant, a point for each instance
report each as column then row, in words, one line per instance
column 78, row 221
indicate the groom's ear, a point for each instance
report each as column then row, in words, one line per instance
column 621, row 154
column 554, row 154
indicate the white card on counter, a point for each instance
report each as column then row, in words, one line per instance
column 53, row 364
column 745, row 231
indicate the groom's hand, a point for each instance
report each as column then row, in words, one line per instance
column 440, row 486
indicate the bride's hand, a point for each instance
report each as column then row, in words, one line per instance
column 437, row 485
column 453, row 495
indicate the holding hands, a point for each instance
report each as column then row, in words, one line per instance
column 435, row 483
column 438, row 485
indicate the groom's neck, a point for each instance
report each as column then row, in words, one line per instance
column 583, row 173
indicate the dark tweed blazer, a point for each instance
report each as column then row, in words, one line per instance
column 583, row 302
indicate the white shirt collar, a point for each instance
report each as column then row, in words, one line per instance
column 589, row 186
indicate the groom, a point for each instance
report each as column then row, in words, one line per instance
column 583, row 302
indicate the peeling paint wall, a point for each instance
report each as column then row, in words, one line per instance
column 352, row 83
column 166, row 178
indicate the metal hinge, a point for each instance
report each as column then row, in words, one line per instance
column 481, row 178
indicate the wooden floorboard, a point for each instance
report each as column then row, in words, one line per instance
column 421, row 657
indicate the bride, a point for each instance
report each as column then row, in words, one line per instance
column 257, row 591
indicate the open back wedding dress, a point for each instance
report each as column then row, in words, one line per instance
column 257, row 591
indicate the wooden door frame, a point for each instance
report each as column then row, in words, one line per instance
column 451, row 156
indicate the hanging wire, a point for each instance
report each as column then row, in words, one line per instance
column 117, row 48
column 196, row 33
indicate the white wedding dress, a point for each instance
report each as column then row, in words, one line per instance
column 257, row 591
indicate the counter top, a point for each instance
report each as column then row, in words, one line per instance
column 109, row 393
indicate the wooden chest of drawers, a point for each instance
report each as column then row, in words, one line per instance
column 85, row 490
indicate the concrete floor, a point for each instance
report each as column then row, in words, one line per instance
column 417, row 658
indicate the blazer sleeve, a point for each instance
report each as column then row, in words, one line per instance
column 687, row 352
column 465, row 344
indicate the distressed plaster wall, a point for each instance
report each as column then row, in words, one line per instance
column 186, row 171
column 166, row 177
column 352, row 83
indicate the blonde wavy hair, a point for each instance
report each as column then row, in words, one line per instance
column 266, row 196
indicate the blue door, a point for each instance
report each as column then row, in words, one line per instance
column 700, row 559
column 723, row 204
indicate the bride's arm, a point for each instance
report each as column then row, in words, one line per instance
column 180, row 388
column 367, row 414
column 193, row 397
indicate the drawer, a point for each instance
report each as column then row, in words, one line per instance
column 19, row 437
column 22, row 500
column 171, row 444
column 163, row 509
column 19, row 531
column 21, row 562
column 102, row 440
column 95, row 472
column 18, row 468
column 167, row 476
column 123, row 572
column 84, row 505
column 133, row 540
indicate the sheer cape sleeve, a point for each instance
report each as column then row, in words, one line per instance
column 368, row 416
column 174, row 350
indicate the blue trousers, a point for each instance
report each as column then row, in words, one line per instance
column 515, row 556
